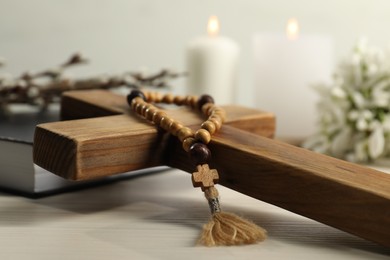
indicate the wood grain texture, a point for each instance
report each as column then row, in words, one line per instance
column 341, row 194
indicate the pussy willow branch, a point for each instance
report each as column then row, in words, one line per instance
column 44, row 87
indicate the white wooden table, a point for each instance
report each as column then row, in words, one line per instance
column 147, row 218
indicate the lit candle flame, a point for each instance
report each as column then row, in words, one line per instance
column 292, row 29
column 213, row 26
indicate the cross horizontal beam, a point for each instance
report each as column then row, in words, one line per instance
column 118, row 141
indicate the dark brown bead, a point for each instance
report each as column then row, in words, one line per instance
column 204, row 99
column 199, row 153
column 133, row 94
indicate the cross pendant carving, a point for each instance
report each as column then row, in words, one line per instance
column 204, row 177
column 111, row 140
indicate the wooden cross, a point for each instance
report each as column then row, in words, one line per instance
column 112, row 140
column 204, row 177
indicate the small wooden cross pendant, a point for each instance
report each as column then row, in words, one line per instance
column 204, row 177
column 344, row 195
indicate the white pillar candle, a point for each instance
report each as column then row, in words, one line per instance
column 212, row 65
column 286, row 66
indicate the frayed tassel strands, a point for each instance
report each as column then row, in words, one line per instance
column 227, row 229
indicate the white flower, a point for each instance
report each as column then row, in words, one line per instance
column 380, row 97
column 358, row 99
column 361, row 124
column 374, row 124
column 353, row 115
column 376, row 143
column 338, row 92
column 354, row 111
column 361, row 151
column 386, row 123
column 367, row 114
column 341, row 142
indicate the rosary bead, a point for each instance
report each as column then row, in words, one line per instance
column 175, row 127
column 184, row 133
column 168, row 98
column 187, row 143
column 150, row 96
column 191, row 101
column 158, row 97
column 134, row 104
column 133, row 94
column 179, row 100
column 209, row 126
column 216, row 117
column 139, row 107
column 216, row 122
column 145, row 108
column 203, row 136
column 157, row 116
column 165, row 123
column 219, row 112
column 206, row 108
column 150, row 112
column 204, row 99
column 200, row 153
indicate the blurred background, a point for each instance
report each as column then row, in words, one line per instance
column 121, row 35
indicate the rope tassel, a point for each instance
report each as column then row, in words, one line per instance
column 227, row 229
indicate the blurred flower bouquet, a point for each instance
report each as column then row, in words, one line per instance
column 354, row 111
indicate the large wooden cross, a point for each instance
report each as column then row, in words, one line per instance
column 109, row 139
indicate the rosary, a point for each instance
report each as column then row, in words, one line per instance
column 223, row 228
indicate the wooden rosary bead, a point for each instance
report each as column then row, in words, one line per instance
column 175, row 127
column 184, row 133
column 134, row 103
column 150, row 112
column 206, row 108
column 145, row 107
column 191, row 101
column 203, row 136
column 204, row 99
column 187, row 143
column 148, row 96
column 220, row 112
column 167, row 98
column 199, row 153
column 158, row 116
column 222, row 116
column 133, row 94
column 179, row 100
column 209, row 126
column 165, row 123
column 158, row 97
column 217, row 123
column 216, row 117
column 139, row 107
